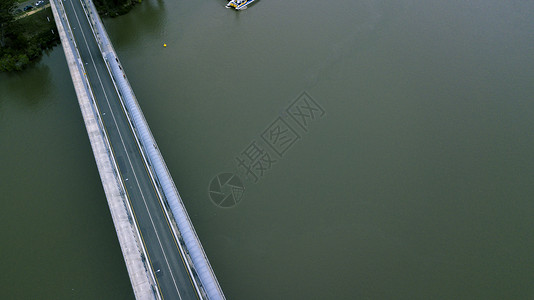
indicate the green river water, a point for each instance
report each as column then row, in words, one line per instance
column 413, row 178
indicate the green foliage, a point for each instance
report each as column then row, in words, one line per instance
column 13, row 63
column 24, row 40
column 6, row 9
column 114, row 8
column 21, row 61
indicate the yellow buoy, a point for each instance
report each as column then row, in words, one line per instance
column 164, row 45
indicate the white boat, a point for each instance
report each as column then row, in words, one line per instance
column 239, row 4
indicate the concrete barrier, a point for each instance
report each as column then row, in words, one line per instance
column 160, row 173
column 143, row 283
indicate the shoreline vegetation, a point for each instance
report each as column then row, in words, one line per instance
column 114, row 8
column 24, row 38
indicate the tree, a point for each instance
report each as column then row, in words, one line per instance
column 6, row 17
column 6, row 10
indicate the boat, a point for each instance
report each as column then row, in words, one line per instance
column 239, row 4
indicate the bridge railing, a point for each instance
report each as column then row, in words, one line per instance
column 115, row 192
column 161, row 175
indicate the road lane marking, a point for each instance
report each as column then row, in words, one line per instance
column 179, row 248
column 152, row 180
column 126, row 152
column 129, row 201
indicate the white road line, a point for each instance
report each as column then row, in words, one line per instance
column 126, row 151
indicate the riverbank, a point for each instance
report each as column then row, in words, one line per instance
column 24, row 39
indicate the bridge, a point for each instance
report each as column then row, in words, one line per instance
column 163, row 254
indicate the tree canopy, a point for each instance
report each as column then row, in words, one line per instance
column 6, row 17
column 114, row 7
column 22, row 41
column 6, row 11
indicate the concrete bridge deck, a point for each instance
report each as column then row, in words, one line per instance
column 169, row 269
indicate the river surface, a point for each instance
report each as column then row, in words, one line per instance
column 408, row 174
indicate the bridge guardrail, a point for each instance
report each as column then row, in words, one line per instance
column 155, row 160
column 60, row 16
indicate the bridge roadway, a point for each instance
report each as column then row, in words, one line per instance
column 168, row 265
